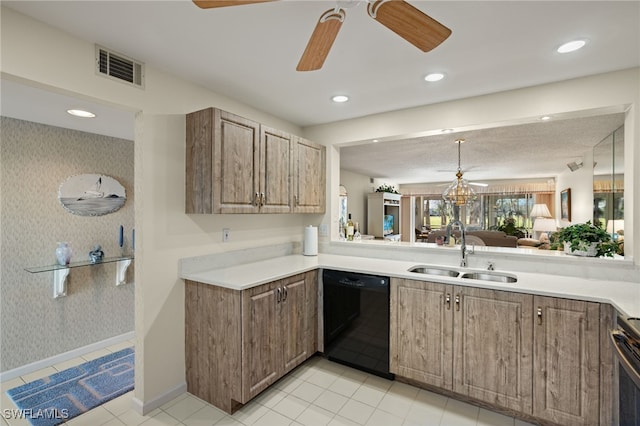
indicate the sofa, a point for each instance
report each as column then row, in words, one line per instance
column 490, row 238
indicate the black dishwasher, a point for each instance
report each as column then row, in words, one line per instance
column 356, row 320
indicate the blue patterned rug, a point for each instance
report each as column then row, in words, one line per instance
column 69, row 393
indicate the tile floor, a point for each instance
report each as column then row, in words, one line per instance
column 319, row 392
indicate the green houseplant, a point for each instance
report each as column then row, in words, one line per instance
column 509, row 227
column 387, row 188
column 582, row 236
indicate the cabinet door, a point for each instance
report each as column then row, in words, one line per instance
column 236, row 165
column 276, row 168
column 493, row 346
column 309, row 176
column 311, row 279
column 199, row 162
column 261, row 349
column 293, row 321
column 566, row 361
column 421, row 339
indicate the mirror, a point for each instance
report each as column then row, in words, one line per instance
column 608, row 185
column 513, row 167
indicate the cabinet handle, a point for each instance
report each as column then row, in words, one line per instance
column 457, row 302
column 539, row 316
column 285, row 292
column 262, row 199
column 447, row 301
column 295, row 201
column 278, row 295
column 256, row 199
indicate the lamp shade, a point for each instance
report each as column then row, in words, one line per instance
column 615, row 226
column 544, row 225
column 540, row 210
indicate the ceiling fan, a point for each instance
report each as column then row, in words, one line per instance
column 405, row 20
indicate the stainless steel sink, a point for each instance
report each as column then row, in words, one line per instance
column 432, row 270
column 489, row 276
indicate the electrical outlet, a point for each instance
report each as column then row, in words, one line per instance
column 324, row 230
column 226, row 234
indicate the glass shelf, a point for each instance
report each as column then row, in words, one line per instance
column 78, row 264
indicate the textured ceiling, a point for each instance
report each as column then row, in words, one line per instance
column 537, row 150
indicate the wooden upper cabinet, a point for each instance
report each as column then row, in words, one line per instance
column 236, row 165
column 566, row 361
column 309, row 171
column 276, row 168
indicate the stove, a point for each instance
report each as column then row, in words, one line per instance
column 626, row 340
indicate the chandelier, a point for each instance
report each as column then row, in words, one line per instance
column 459, row 192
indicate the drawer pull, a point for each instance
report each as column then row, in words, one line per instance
column 539, row 316
column 447, row 301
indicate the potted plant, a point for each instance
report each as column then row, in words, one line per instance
column 585, row 239
column 387, row 188
column 509, row 227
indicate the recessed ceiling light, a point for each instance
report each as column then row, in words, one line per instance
column 375, row 141
column 81, row 113
column 340, row 98
column 545, row 117
column 436, row 76
column 571, row 46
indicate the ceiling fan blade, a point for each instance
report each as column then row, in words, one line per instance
column 321, row 40
column 410, row 23
column 209, row 4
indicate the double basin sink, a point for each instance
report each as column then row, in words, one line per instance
column 475, row 275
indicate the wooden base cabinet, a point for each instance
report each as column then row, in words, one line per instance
column 467, row 340
column 566, row 361
column 238, row 343
column 544, row 358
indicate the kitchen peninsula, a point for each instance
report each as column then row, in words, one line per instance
column 527, row 311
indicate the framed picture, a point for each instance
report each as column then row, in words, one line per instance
column 565, row 205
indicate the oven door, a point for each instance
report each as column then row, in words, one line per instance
column 629, row 379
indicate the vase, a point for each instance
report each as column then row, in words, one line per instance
column 586, row 249
column 63, row 253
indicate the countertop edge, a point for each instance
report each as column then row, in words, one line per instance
column 624, row 296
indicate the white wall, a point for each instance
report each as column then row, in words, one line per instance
column 581, row 184
column 358, row 186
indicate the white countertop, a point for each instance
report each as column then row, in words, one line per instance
column 624, row 296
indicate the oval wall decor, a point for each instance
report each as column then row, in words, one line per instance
column 92, row 195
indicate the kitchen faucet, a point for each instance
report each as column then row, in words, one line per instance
column 463, row 245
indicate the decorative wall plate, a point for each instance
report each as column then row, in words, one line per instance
column 92, row 195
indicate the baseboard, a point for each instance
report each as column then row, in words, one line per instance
column 143, row 408
column 66, row 356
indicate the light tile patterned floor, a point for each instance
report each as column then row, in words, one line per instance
column 318, row 393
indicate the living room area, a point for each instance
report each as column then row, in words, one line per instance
column 522, row 196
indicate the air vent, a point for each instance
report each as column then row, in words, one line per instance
column 119, row 67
